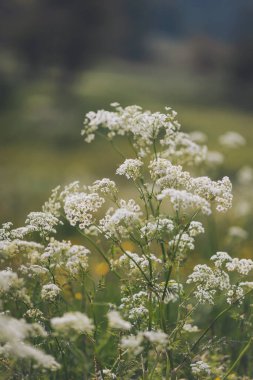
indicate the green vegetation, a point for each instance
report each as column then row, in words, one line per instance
column 40, row 128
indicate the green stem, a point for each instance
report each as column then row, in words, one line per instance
column 245, row 348
column 101, row 253
column 209, row 327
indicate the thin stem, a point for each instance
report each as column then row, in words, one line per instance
column 209, row 327
column 245, row 348
column 101, row 253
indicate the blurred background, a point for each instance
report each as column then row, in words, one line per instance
column 60, row 59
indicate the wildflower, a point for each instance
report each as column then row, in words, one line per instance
column 9, row 280
column 43, row 222
column 133, row 261
column 214, row 158
column 117, row 222
column 104, row 185
column 79, row 208
column 220, row 258
column 243, row 266
column 134, row 307
column 237, row 232
column 215, row 191
column 235, row 293
column 155, row 229
column 168, row 175
column 195, row 228
column 50, row 292
column 157, row 337
column 185, row 200
column 232, row 140
column 13, row 335
column 188, row 327
column 208, row 282
column 132, row 343
column 77, row 258
column 142, row 126
column 53, row 204
column 173, row 292
column 35, row 314
column 109, row 374
column 247, row 284
column 179, row 148
column 245, row 175
column 116, row 322
column 72, row 322
column 5, row 231
column 198, row 137
column 33, row 270
column 200, row 368
column 130, row 168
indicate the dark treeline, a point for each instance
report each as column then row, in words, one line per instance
column 72, row 34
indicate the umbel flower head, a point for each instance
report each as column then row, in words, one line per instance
column 139, row 315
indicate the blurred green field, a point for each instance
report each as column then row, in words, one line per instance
column 41, row 145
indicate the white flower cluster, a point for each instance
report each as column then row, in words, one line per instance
column 117, row 322
column 9, row 249
column 117, row 223
column 33, row 270
column 132, row 261
column 72, row 322
column 80, row 207
column 182, row 199
column 131, row 168
column 186, row 191
column 65, row 255
column 184, row 240
column 232, row 140
column 134, row 307
column 42, row 222
column 157, row 228
column 133, row 343
column 214, row 158
column 142, row 126
column 8, row 234
column 181, row 149
column 104, row 185
column 188, row 327
column 108, row 374
column 200, row 368
column 5, row 231
column 50, row 292
column 168, row 175
column 35, row 314
column 241, row 266
column 237, row 232
column 198, row 137
column 53, row 204
column 173, row 291
column 245, row 175
column 9, row 280
column 171, row 174
column 217, row 191
column 13, row 336
column 209, row 280
column 12, row 287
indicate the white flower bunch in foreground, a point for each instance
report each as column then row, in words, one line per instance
column 115, row 299
column 71, row 323
column 13, row 336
